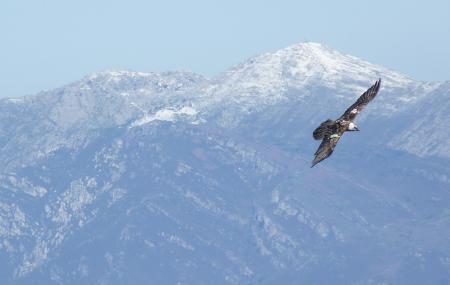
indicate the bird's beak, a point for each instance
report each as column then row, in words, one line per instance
column 356, row 129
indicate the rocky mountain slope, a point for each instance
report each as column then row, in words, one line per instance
column 172, row 178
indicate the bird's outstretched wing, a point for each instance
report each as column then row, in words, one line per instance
column 326, row 148
column 363, row 100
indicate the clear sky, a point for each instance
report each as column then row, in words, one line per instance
column 48, row 43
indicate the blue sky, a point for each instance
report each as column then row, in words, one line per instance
column 48, row 43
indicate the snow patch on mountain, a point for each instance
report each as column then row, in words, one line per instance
column 168, row 115
column 303, row 64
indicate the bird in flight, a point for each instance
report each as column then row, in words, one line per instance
column 331, row 131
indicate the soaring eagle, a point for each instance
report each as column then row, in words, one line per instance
column 331, row 131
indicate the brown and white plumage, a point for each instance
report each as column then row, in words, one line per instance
column 325, row 149
column 331, row 131
column 352, row 111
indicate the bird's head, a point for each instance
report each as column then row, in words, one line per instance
column 352, row 127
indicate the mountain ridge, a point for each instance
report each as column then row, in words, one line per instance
column 128, row 177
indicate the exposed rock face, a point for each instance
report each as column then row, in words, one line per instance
column 172, row 178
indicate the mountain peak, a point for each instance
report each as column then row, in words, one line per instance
column 308, row 62
column 119, row 75
column 312, row 46
column 210, row 182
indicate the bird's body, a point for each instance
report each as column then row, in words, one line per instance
column 330, row 131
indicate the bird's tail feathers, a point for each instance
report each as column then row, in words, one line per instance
column 321, row 130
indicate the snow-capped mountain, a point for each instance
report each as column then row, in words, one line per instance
column 172, row 178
